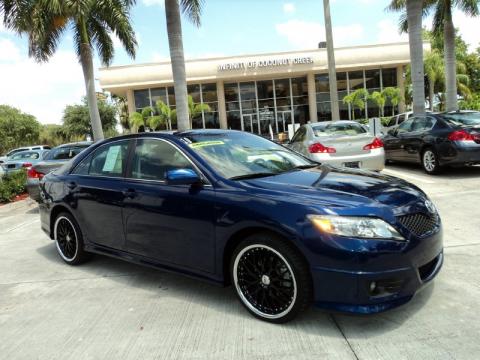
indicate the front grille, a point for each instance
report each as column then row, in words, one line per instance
column 419, row 224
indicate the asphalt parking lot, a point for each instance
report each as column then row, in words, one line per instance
column 109, row 309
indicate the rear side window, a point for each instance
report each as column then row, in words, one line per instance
column 153, row 158
column 109, row 160
column 406, row 126
column 300, row 135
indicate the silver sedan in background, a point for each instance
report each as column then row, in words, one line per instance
column 339, row 143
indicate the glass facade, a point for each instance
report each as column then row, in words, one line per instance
column 201, row 94
column 258, row 106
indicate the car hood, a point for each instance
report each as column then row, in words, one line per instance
column 341, row 187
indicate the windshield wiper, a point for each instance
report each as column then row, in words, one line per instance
column 309, row 166
column 252, row 176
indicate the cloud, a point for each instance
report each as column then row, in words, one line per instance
column 467, row 28
column 42, row 90
column 289, row 8
column 388, row 32
column 153, row 2
column 8, row 51
column 306, row 35
column 157, row 57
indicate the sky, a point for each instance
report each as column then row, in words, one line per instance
column 229, row 27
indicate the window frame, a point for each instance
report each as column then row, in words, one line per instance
column 128, row 170
column 92, row 154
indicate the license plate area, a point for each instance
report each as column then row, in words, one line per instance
column 352, row 164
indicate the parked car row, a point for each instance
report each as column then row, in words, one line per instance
column 21, row 149
column 434, row 141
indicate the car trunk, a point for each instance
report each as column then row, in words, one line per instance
column 347, row 144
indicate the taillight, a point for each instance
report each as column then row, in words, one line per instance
column 26, row 165
column 460, row 135
column 319, row 148
column 34, row 174
column 375, row 144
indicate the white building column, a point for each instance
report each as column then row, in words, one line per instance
column 222, row 111
column 312, row 97
column 401, row 86
column 130, row 101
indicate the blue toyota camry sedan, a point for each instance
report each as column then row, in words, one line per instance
column 234, row 208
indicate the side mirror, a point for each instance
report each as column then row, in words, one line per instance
column 392, row 132
column 182, row 177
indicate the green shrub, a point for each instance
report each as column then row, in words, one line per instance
column 12, row 185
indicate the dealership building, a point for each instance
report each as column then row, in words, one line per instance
column 252, row 92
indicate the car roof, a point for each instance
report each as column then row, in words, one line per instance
column 78, row 143
column 336, row 122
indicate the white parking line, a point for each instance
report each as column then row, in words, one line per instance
column 408, row 176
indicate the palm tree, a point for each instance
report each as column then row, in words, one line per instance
column 93, row 23
column 193, row 9
column 434, row 70
column 136, row 121
column 442, row 23
column 393, row 94
column 332, row 73
column 196, row 109
column 357, row 99
column 379, row 98
column 165, row 114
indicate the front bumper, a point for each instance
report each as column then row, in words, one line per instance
column 369, row 276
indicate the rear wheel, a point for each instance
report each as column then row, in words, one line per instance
column 69, row 240
column 430, row 161
column 271, row 278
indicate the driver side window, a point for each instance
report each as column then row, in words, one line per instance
column 405, row 127
column 153, row 158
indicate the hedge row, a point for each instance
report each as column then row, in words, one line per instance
column 12, row 185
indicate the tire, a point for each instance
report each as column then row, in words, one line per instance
column 271, row 278
column 430, row 161
column 69, row 239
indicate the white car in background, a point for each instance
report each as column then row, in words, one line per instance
column 396, row 120
column 25, row 148
column 339, row 143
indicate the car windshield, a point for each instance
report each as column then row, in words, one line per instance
column 338, row 129
column 238, row 155
column 463, row 119
column 25, row 155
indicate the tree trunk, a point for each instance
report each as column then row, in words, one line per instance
column 414, row 16
column 87, row 67
column 174, row 29
column 431, row 86
column 450, row 65
column 332, row 73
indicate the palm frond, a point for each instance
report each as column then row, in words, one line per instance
column 192, row 9
column 101, row 39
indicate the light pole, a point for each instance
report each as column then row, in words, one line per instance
column 332, row 73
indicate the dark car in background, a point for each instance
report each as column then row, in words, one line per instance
column 56, row 157
column 436, row 140
column 233, row 207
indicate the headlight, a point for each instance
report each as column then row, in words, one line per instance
column 352, row 226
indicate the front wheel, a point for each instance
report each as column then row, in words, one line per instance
column 271, row 278
column 430, row 162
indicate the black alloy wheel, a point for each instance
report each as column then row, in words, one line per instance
column 271, row 279
column 68, row 239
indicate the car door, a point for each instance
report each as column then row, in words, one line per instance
column 412, row 140
column 394, row 141
column 96, row 193
column 173, row 224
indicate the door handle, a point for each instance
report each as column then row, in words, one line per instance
column 129, row 193
column 72, row 185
